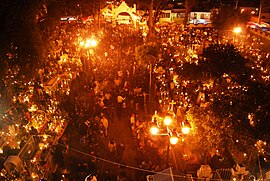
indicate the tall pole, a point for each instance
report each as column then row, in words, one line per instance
column 151, row 18
column 260, row 12
column 236, row 5
column 260, row 167
column 174, row 158
column 151, row 61
column 171, row 173
column 168, row 153
column 150, row 81
column 99, row 10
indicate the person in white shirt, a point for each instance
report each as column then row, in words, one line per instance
column 119, row 107
column 105, row 123
column 120, row 99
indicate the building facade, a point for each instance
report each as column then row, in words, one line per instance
column 265, row 11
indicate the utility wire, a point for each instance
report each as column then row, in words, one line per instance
column 119, row 164
column 137, row 168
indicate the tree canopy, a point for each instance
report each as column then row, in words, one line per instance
column 238, row 111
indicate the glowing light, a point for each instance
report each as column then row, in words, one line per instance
column 33, row 108
column 34, row 175
column 41, row 146
column 185, row 130
column 81, row 43
column 237, row 30
column 173, row 140
column 154, row 130
column 167, row 120
column 90, row 43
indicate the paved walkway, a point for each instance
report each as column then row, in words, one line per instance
column 121, row 132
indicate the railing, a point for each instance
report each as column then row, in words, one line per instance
column 260, row 33
column 222, row 174
column 228, row 174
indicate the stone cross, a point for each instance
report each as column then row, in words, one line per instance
column 172, row 104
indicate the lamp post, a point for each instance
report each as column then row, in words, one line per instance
column 236, row 31
column 171, row 132
column 88, row 45
column 151, row 60
column 185, row 127
column 173, row 140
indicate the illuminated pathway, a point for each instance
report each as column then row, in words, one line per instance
column 120, row 131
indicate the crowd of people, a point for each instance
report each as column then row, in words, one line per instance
column 112, row 86
column 30, row 112
column 109, row 85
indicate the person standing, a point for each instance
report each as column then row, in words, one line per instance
column 105, row 123
column 120, row 152
column 119, row 107
column 112, row 148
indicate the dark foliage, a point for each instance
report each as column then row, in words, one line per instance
column 20, row 30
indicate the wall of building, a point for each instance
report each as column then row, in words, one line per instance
column 265, row 15
column 167, row 16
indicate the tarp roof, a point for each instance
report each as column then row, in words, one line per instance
column 168, row 175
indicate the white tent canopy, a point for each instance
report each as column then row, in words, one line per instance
column 165, row 175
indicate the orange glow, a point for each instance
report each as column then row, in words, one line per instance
column 237, row 30
column 173, row 140
column 154, row 130
column 167, row 120
column 185, row 130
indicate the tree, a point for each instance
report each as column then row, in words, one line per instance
column 211, row 132
column 223, row 18
column 238, row 92
column 192, row 71
column 244, row 17
column 215, row 61
column 226, row 17
column 189, row 4
column 24, row 24
column 21, row 28
column 145, row 51
column 154, row 7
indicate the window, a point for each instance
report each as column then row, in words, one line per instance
column 202, row 16
column 165, row 15
column 180, row 15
